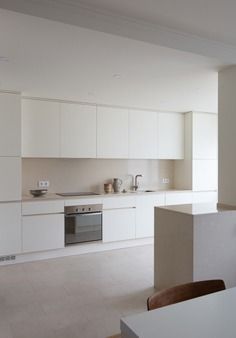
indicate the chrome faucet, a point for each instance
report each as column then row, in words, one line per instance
column 135, row 186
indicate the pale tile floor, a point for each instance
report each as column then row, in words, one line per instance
column 74, row 297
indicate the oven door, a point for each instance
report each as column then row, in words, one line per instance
column 81, row 228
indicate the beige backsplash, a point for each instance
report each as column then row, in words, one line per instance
column 66, row 175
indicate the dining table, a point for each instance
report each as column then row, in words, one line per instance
column 210, row 316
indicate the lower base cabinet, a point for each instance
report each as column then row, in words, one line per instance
column 42, row 232
column 118, row 224
column 10, row 228
column 145, row 206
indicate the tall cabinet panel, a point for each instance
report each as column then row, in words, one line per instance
column 205, row 136
column 10, row 228
column 199, row 170
column 78, row 130
column 112, row 132
column 143, row 134
column 170, row 136
column 40, row 128
column 10, row 173
column 10, row 124
column 10, row 179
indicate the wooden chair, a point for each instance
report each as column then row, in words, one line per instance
column 184, row 292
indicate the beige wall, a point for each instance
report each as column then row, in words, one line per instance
column 227, row 136
column 91, row 174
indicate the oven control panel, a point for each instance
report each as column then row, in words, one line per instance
column 83, row 209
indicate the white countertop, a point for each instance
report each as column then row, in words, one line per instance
column 211, row 316
column 198, row 208
column 54, row 196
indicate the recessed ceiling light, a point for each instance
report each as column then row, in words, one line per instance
column 91, row 94
column 116, row 76
column 4, row 59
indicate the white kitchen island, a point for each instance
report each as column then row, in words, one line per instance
column 211, row 316
column 194, row 242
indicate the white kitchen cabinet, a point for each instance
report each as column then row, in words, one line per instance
column 175, row 198
column 205, row 176
column 205, row 197
column 112, row 132
column 118, row 224
column 42, row 232
column 145, row 214
column 40, row 128
column 83, row 201
column 205, row 145
column 10, row 228
column 10, row 178
column 42, row 207
column 119, row 202
column 170, row 136
column 10, row 124
column 142, row 134
column 78, row 131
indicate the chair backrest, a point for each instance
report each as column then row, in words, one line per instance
column 184, row 292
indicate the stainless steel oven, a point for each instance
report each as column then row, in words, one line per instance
column 83, row 223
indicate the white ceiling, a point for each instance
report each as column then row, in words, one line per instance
column 51, row 59
column 205, row 27
column 211, row 19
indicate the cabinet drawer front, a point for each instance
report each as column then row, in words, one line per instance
column 42, row 232
column 42, row 207
column 119, row 202
column 83, row 201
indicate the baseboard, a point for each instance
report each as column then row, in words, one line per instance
column 78, row 249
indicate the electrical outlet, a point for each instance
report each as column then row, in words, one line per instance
column 166, row 180
column 7, row 258
column 43, row 184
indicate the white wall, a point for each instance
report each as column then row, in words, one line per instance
column 227, row 136
column 91, row 174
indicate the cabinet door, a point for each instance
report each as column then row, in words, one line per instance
column 118, row 224
column 10, row 228
column 205, row 175
column 42, row 232
column 10, row 125
column 170, row 137
column 145, row 214
column 10, row 178
column 112, row 133
column 205, row 136
column 40, row 128
column 142, row 134
column 78, row 131
column 173, row 198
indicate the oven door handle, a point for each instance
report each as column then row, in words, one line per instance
column 85, row 214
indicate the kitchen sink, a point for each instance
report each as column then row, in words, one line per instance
column 141, row 191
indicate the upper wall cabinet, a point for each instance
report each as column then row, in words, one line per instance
column 170, row 136
column 78, row 130
column 142, row 134
column 112, row 132
column 40, row 128
column 10, row 126
column 204, row 136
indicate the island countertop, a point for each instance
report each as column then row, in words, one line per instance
column 198, row 208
